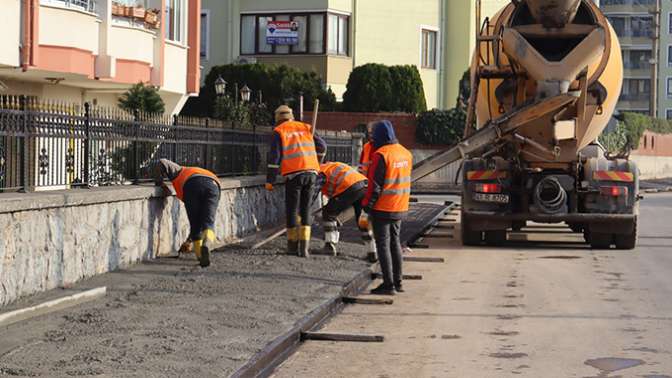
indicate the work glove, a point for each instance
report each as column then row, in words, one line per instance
column 186, row 247
column 269, row 186
column 363, row 221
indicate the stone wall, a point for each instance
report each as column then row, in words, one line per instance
column 52, row 239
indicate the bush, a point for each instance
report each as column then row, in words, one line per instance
column 142, row 98
column 379, row 88
column 441, row 126
column 279, row 84
column 629, row 131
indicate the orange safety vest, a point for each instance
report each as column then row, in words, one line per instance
column 185, row 174
column 339, row 177
column 396, row 191
column 365, row 159
column 298, row 148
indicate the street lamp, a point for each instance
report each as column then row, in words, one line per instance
column 220, row 86
column 245, row 93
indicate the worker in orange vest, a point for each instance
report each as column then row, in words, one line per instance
column 367, row 151
column 344, row 187
column 386, row 201
column 295, row 153
column 200, row 190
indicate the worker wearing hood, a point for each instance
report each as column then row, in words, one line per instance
column 199, row 189
column 386, row 202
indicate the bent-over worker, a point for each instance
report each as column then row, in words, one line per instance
column 200, row 190
column 294, row 152
column 387, row 200
column 344, row 187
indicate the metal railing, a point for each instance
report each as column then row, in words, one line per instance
column 52, row 145
column 85, row 5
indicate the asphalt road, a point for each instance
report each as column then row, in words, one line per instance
column 557, row 309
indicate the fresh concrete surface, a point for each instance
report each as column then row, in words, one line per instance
column 523, row 309
column 52, row 239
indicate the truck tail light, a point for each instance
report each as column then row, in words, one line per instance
column 614, row 191
column 488, row 188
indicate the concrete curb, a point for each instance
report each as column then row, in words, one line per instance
column 51, row 306
column 658, row 190
column 277, row 351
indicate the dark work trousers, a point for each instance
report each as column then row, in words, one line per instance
column 299, row 198
column 201, row 199
column 351, row 197
column 386, row 232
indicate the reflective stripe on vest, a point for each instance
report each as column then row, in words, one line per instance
column 396, row 191
column 185, row 174
column 298, row 148
column 365, row 159
column 339, row 177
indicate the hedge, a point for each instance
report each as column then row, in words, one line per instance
column 441, row 126
column 629, row 131
column 280, row 84
column 379, row 88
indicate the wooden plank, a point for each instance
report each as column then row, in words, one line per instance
column 424, row 259
column 419, row 246
column 403, row 277
column 51, row 306
column 373, row 301
column 342, row 337
column 440, row 226
column 438, row 235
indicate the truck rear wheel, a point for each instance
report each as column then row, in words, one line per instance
column 627, row 241
column 600, row 240
column 495, row 237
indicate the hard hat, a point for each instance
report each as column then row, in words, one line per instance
column 283, row 113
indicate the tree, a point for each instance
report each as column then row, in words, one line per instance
column 142, row 98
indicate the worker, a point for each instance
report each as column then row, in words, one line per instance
column 367, row 150
column 386, row 202
column 200, row 190
column 294, row 152
column 344, row 187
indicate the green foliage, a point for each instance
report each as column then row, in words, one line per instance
column 629, row 131
column 441, row 126
column 464, row 90
column 279, row 84
column 379, row 88
column 142, row 98
column 237, row 113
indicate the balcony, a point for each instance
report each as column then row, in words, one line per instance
column 626, row 6
column 83, row 5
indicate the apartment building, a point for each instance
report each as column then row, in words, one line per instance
column 94, row 50
column 331, row 37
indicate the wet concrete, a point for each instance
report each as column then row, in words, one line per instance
column 172, row 318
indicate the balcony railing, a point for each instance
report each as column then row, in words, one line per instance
column 635, row 97
column 627, row 2
column 85, row 5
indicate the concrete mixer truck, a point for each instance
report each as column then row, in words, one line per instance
column 545, row 79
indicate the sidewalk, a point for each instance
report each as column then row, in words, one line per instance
column 170, row 318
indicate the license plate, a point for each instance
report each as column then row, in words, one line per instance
column 486, row 197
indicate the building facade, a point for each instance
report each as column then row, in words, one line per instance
column 334, row 36
column 94, row 50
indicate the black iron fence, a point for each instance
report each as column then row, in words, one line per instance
column 53, row 145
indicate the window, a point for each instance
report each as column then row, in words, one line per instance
column 669, row 23
column 312, row 38
column 636, row 90
column 175, row 12
column 428, row 49
column 668, row 113
column 669, row 55
column 669, row 87
column 205, row 34
column 85, row 5
column 338, row 35
column 618, row 23
column 638, row 59
column 641, row 26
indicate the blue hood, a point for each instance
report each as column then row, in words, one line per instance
column 383, row 133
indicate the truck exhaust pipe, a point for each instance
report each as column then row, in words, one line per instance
column 550, row 196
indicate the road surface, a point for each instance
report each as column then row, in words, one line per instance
column 522, row 310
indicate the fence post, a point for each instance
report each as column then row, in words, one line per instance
column 255, row 167
column 174, row 157
column 356, row 148
column 25, row 147
column 136, row 132
column 87, row 143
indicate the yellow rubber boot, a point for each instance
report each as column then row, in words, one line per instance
column 304, row 241
column 292, row 240
column 208, row 237
column 198, row 246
